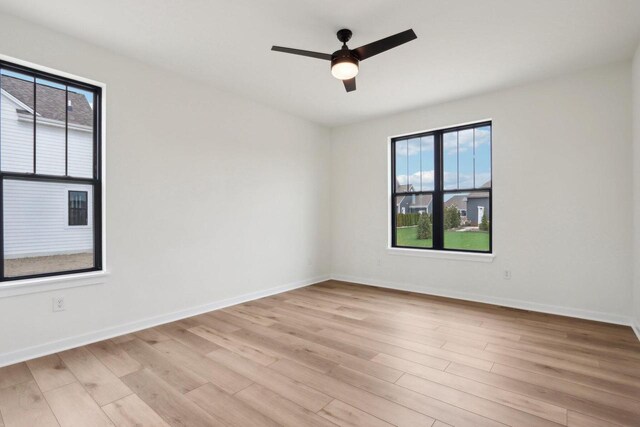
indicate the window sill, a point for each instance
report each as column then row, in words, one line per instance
column 52, row 283
column 452, row 255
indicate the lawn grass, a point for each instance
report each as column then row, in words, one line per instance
column 467, row 240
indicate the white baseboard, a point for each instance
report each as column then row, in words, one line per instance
column 114, row 331
column 505, row 302
column 635, row 325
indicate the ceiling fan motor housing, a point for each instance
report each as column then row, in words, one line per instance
column 344, row 65
column 343, row 55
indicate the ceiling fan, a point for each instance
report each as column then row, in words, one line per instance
column 345, row 62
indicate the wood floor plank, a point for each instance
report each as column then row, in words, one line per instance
column 211, row 320
column 328, row 356
column 114, row 357
column 23, row 405
column 233, row 344
column 14, row 374
column 345, row 415
column 428, row 405
column 241, row 312
column 131, row 411
column 332, row 330
column 613, row 382
column 230, row 409
column 366, row 366
column 429, row 356
column 478, row 405
column 595, row 378
column 151, row 336
column 99, row 381
column 123, row 338
column 565, row 394
column 214, row 372
column 332, row 308
column 152, row 359
column 184, row 336
column 50, row 372
column 297, row 392
column 174, row 408
column 283, row 411
column 507, row 398
column 288, row 349
column 381, row 407
column 73, row 407
column 303, row 333
column 576, row 419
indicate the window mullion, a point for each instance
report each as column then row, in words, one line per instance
column 66, row 131
column 34, row 123
column 437, row 225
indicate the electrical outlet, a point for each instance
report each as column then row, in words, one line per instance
column 506, row 275
column 58, row 304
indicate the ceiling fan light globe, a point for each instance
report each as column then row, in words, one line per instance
column 344, row 70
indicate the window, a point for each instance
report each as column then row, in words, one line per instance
column 78, row 207
column 50, row 174
column 441, row 189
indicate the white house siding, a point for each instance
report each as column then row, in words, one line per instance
column 36, row 213
column 16, row 150
column 36, row 219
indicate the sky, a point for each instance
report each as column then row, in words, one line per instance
column 467, row 160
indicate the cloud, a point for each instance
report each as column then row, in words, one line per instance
column 414, row 146
column 451, row 180
column 415, row 179
column 464, row 140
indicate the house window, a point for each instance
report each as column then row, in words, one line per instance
column 78, row 207
column 50, row 174
column 441, row 189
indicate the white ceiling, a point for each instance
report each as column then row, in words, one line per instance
column 464, row 47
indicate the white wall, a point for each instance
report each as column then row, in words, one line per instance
column 208, row 197
column 562, row 198
column 636, row 187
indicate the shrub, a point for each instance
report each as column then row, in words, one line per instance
column 425, row 230
column 484, row 224
column 407, row 220
column 451, row 217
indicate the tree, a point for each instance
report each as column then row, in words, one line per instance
column 425, row 230
column 452, row 217
column 484, row 223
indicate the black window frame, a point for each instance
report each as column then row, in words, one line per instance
column 438, row 192
column 74, row 212
column 95, row 181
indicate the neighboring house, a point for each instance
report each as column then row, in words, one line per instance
column 478, row 205
column 471, row 205
column 415, row 203
column 460, row 202
column 45, row 218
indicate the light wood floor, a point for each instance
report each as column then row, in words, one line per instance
column 339, row 354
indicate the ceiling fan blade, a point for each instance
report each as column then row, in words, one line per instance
column 350, row 84
column 368, row 50
column 308, row 53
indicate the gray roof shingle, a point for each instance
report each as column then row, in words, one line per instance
column 50, row 101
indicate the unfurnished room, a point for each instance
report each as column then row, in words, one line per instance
column 319, row 213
